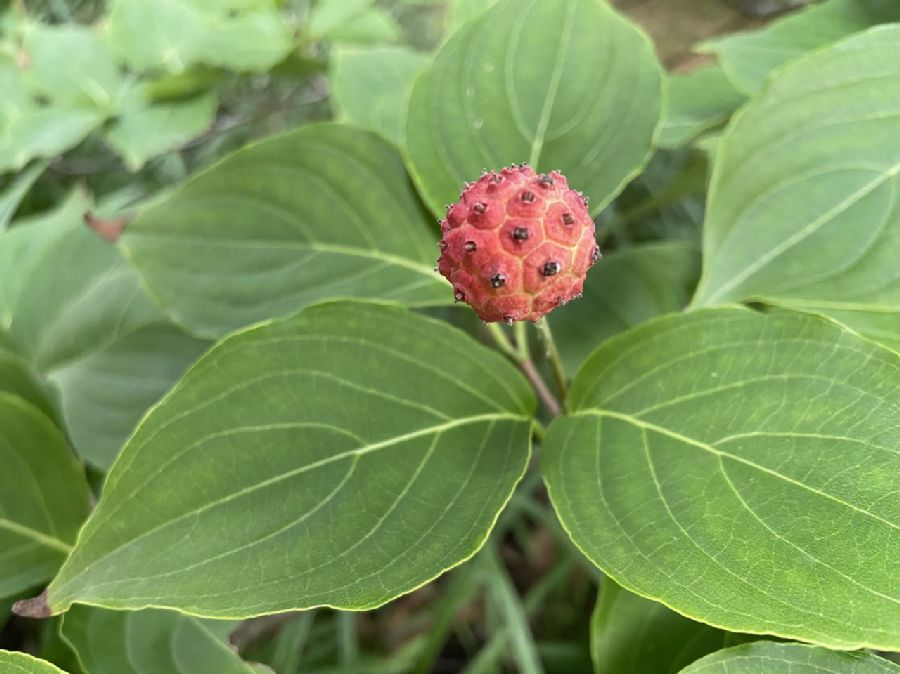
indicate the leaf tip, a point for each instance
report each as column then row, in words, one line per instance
column 36, row 607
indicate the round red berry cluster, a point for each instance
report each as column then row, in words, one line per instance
column 517, row 244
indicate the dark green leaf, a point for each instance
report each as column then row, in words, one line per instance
column 740, row 468
column 748, row 58
column 326, row 211
column 43, row 496
column 801, row 205
column 340, row 457
column 766, row 657
column 147, row 642
column 697, row 101
column 582, row 97
column 78, row 311
column 12, row 662
column 633, row 635
column 623, row 290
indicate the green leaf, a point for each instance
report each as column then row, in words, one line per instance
column 172, row 35
column 633, row 635
column 70, row 66
column 697, row 101
column 876, row 323
column 43, row 496
column 147, row 642
column 43, row 132
column 253, row 41
column 325, row 211
column 106, row 392
column 370, row 87
column 157, row 35
column 626, row 288
column 145, row 130
column 801, row 209
column 741, row 469
column 15, row 192
column 766, row 657
column 583, row 98
column 16, row 378
column 341, row 457
column 13, row 662
column 460, row 12
column 748, row 58
column 77, row 309
column 374, row 26
column 329, row 14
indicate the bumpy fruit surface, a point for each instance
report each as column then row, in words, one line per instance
column 517, row 244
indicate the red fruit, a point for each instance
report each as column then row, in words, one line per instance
column 517, row 244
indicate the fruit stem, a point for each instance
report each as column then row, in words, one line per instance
column 520, row 355
column 502, row 341
column 552, row 353
column 540, row 387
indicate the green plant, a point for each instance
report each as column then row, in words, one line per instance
column 286, row 421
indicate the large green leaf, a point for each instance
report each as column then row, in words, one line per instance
column 147, row 642
column 43, row 496
column 633, row 635
column 13, row 662
column 623, row 290
column 801, row 205
column 582, row 97
column 766, row 657
column 748, row 58
column 740, row 468
column 325, row 211
column 342, row 456
column 78, row 311
column 697, row 101
column 370, row 87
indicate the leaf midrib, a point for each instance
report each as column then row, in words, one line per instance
column 356, row 452
column 675, row 435
column 337, row 249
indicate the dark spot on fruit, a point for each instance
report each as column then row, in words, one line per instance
column 596, row 254
column 528, row 197
column 497, row 178
column 470, row 246
column 568, row 219
column 480, row 207
column 546, row 181
column 508, row 319
column 520, row 234
column 498, row 281
column 551, row 268
column 459, row 295
column 443, row 245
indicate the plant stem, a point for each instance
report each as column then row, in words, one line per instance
column 553, row 356
column 541, row 388
column 521, row 356
column 502, row 341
